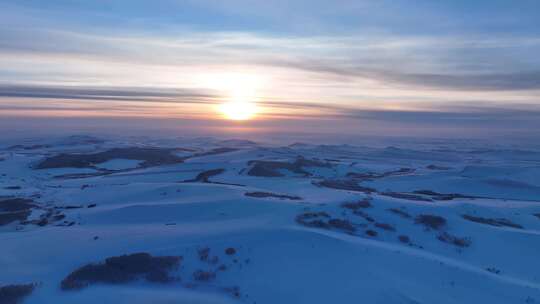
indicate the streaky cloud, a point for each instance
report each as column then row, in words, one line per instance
column 107, row 93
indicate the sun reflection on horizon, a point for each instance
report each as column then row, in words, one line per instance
column 240, row 92
column 238, row 110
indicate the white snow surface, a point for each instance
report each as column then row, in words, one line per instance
column 163, row 210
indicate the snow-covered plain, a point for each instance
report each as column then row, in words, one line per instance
column 256, row 223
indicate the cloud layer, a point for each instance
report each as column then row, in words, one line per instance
column 459, row 62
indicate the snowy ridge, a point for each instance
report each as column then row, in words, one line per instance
column 255, row 223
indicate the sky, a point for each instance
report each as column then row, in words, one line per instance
column 368, row 68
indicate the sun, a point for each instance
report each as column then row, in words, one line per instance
column 241, row 102
column 240, row 93
column 238, row 110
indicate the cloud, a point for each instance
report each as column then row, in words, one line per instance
column 127, row 100
column 107, row 93
column 488, row 117
column 511, row 81
column 356, row 61
column 462, row 82
column 408, row 62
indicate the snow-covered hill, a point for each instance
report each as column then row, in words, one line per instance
column 91, row 220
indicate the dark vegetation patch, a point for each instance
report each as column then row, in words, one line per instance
column 7, row 218
column 357, row 205
column 304, row 162
column 149, row 156
column 14, row 294
column 340, row 224
column 82, row 175
column 323, row 220
column 430, row 221
column 234, row 291
column 374, row 175
column 333, row 160
column 83, row 140
column 371, row 233
column 345, row 184
column 404, row 239
column 204, row 177
column 363, row 175
column 493, row 270
column 509, row 183
column 364, row 215
column 204, row 276
column 15, row 209
column 436, row 167
column 312, row 215
column 442, row 196
column 13, row 188
column 313, row 219
column 498, row 222
column 50, row 216
column 385, row 226
column 216, row 151
column 399, row 212
column 237, row 142
column 272, row 168
column 66, row 223
column 401, row 171
column 406, row 196
column 454, row 240
column 123, row 269
column 165, row 269
column 28, row 147
column 58, row 217
column 259, row 194
column 203, row 254
column 68, row 207
column 16, row 204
